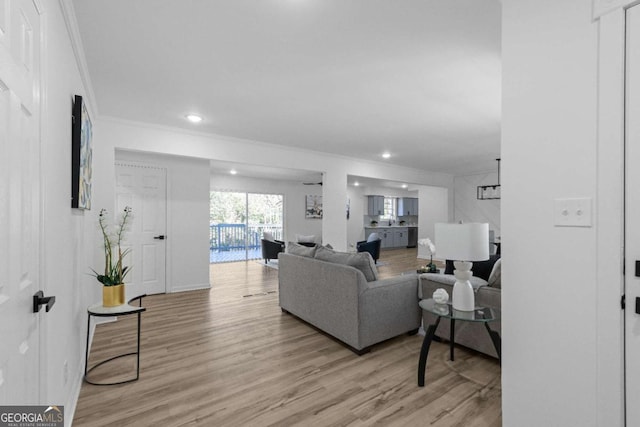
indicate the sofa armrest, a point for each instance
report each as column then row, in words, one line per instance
column 388, row 308
column 488, row 296
column 429, row 282
column 394, row 284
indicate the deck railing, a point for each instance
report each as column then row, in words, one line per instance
column 227, row 237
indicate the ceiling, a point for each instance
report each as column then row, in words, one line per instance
column 420, row 79
column 255, row 171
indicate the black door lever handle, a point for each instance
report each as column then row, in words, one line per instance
column 160, row 237
column 39, row 300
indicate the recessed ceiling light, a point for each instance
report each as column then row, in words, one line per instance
column 386, row 155
column 404, row 185
column 194, row 118
column 233, row 171
column 356, row 183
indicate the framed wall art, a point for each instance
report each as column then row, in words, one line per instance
column 313, row 207
column 81, row 155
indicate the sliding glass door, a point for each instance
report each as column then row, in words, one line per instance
column 238, row 221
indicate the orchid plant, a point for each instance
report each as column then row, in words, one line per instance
column 114, row 270
column 431, row 250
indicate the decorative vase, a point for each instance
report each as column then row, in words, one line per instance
column 113, row 296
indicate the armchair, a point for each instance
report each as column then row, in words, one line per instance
column 373, row 247
column 271, row 249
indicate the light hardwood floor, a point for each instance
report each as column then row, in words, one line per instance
column 228, row 356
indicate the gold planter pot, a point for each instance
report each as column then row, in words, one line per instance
column 113, row 296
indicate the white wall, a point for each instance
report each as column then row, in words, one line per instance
column 357, row 215
column 549, row 146
column 433, row 208
column 158, row 139
column 187, row 216
column 294, row 200
column 467, row 206
column 68, row 235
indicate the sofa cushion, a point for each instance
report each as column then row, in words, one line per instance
column 495, row 278
column 481, row 269
column 450, row 279
column 301, row 250
column 361, row 260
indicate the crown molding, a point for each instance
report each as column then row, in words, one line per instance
column 69, row 14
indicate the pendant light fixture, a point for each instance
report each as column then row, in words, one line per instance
column 490, row 192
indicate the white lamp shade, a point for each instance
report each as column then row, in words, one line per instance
column 462, row 242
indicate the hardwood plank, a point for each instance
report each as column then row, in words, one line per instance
column 221, row 357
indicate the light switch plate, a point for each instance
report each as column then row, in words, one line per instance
column 572, row 212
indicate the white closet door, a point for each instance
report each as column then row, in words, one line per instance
column 632, row 218
column 143, row 188
column 20, row 329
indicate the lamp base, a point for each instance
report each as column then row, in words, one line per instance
column 463, row 298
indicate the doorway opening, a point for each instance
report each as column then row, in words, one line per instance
column 237, row 223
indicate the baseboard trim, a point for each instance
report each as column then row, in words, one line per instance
column 195, row 287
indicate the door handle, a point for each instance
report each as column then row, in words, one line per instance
column 160, row 237
column 39, row 300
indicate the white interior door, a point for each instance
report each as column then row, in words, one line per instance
column 143, row 188
column 632, row 218
column 20, row 379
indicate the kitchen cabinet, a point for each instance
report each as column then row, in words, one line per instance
column 385, row 234
column 375, row 205
column 407, row 206
column 400, row 237
column 391, row 237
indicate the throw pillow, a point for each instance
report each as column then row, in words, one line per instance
column 305, row 239
column 481, row 269
column 361, row 260
column 301, row 250
column 267, row 235
column 495, row 279
column 372, row 237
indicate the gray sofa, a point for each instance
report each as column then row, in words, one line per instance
column 323, row 290
column 468, row 334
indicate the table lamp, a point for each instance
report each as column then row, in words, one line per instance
column 463, row 243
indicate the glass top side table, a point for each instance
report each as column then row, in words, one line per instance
column 97, row 310
column 483, row 315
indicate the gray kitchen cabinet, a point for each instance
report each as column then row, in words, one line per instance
column 400, row 237
column 407, row 206
column 375, row 205
column 391, row 237
column 386, row 234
